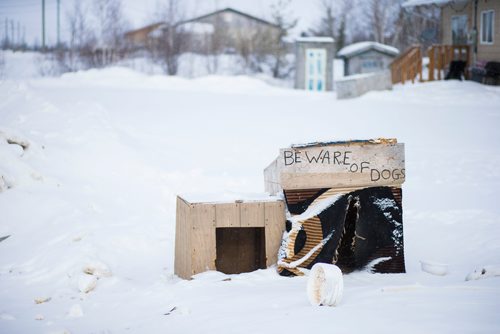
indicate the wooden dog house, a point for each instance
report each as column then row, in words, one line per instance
column 232, row 236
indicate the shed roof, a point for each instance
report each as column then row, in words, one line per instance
column 316, row 39
column 361, row 47
column 228, row 197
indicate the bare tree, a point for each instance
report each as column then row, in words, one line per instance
column 282, row 18
column 171, row 40
column 81, row 34
column 419, row 25
column 110, row 25
column 385, row 18
column 378, row 18
column 214, row 45
column 333, row 23
column 327, row 24
column 81, row 39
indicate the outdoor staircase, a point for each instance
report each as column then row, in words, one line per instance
column 409, row 65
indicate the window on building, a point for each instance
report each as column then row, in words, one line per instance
column 459, row 29
column 370, row 64
column 487, row 20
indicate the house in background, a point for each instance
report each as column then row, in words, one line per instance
column 226, row 29
column 475, row 23
column 367, row 57
column 139, row 37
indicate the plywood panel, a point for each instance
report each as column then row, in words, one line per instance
column 275, row 225
column 252, row 214
column 202, row 238
column 343, row 165
column 182, row 260
column 227, row 215
column 271, row 179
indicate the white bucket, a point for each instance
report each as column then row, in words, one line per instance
column 325, row 285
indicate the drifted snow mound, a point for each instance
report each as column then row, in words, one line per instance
column 14, row 168
column 325, row 285
column 485, row 272
column 434, row 268
column 97, row 269
column 87, row 283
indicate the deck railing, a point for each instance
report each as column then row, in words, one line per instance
column 407, row 66
column 440, row 57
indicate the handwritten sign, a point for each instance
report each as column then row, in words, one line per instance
column 349, row 165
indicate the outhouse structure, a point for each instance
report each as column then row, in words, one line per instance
column 314, row 63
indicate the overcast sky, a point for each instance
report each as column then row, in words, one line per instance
column 27, row 14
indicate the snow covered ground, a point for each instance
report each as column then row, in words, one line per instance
column 105, row 152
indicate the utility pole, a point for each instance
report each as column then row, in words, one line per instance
column 6, row 32
column 18, row 37
column 58, row 23
column 12, row 32
column 43, row 24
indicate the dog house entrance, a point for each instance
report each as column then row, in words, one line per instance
column 240, row 249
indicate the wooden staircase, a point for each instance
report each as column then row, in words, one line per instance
column 408, row 65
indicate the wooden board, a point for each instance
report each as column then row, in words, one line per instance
column 275, row 226
column 360, row 165
column 252, row 214
column 182, row 260
column 202, row 238
column 227, row 215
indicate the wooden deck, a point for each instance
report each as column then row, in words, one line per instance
column 408, row 66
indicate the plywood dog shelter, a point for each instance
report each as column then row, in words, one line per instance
column 345, row 201
column 231, row 236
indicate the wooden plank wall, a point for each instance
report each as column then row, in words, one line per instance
column 203, row 251
column 182, row 261
column 274, row 214
column 271, row 179
column 252, row 214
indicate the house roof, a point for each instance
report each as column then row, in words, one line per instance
column 157, row 25
column 415, row 3
column 361, row 47
column 232, row 10
column 146, row 29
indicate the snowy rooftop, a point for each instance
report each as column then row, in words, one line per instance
column 412, row 3
column 317, row 39
column 227, row 197
column 360, row 47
